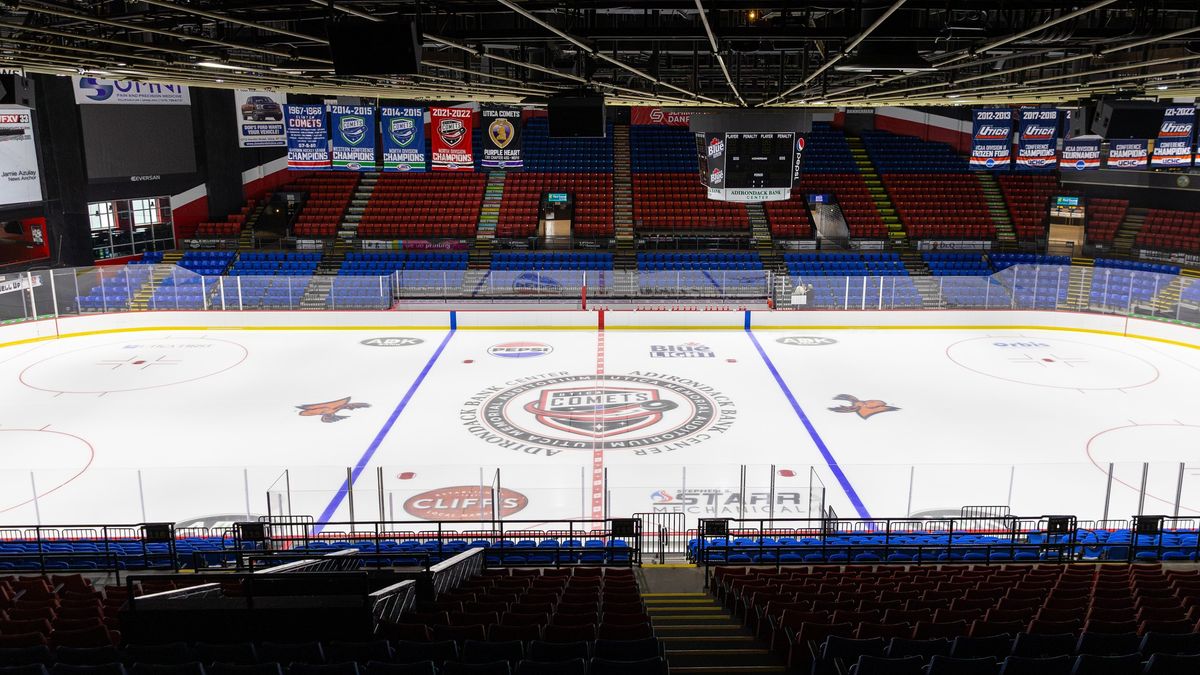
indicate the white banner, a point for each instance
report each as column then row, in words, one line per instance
column 19, row 183
column 260, row 118
column 22, row 283
column 93, row 90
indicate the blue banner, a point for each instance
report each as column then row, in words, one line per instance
column 403, row 139
column 1173, row 148
column 991, row 145
column 1037, row 139
column 307, row 139
column 1128, row 155
column 353, row 137
column 1080, row 154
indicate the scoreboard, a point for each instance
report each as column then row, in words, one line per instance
column 749, row 166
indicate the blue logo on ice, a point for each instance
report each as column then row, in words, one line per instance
column 402, row 131
column 353, row 129
column 103, row 91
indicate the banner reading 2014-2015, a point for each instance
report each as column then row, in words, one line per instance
column 403, row 139
column 353, row 137
column 1037, row 139
column 307, row 140
column 1173, row 148
column 991, row 146
column 451, row 139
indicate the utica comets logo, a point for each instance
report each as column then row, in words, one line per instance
column 452, row 131
column 353, row 129
column 402, row 130
column 599, row 411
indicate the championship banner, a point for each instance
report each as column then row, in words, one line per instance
column 991, row 145
column 641, row 114
column 1129, row 155
column 260, row 118
column 92, row 90
column 403, row 139
column 353, row 137
column 1173, row 148
column 19, row 182
column 1080, row 154
column 501, row 137
column 307, row 140
column 451, row 139
column 1037, row 139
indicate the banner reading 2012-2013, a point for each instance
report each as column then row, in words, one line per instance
column 353, row 137
column 307, row 140
column 451, row 139
column 403, row 139
column 991, row 146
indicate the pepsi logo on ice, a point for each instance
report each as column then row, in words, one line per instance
column 464, row 502
column 687, row 350
column 520, row 350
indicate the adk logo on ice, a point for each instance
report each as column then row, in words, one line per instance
column 353, row 129
column 402, row 130
column 392, row 342
column 805, row 341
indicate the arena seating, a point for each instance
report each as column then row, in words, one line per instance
column 654, row 262
column 1171, row 230
column 592, row 192
column 551, row 261
column 415, row 205
column 270, row 264
column 853, row 198
column 383, row 263
column 208, row 263
column 1104, row 218
column 115, row 289
column 575, row 155
column 855, row 279
column 328, row 195
column 789, row 219
column 1002, row 261
column 1027, row 196
column 358, row 292
column 64, row 613
column 844, row 264
column 956, row 264
column 1118, row 284
column 1000, row 613
column 678, row 203
column 661, row 149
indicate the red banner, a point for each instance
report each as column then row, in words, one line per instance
column 450, row 134
column 649, row 115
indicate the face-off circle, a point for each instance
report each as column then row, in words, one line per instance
column 1162, row 445
column 1052, row 362
column 133, row 365
column 55, row 458
column 599, row 412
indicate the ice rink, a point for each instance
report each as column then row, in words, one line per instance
column 200, row 426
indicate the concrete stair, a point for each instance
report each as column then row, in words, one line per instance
column 1079, row 285
column 1006, row 235
column 141, row 299
column 246, row 239
column 348, row 229
column 1123, row 241
column 896, row 234
column 625, row 257
column 480, row 257
column 760, row 230
column 1166, row 301
column 701, row 637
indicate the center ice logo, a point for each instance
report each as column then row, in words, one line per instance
column 598, row 412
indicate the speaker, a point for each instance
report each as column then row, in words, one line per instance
column 362, row 47
column 1058, row 525
column 624, row 527
column 158, row 533
column 251, row 531
column 714, row 528
column 576, row 114
column 1148, row 524
column 15, row 90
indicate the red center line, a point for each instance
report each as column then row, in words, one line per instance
column 597, row 452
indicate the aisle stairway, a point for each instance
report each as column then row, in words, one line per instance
column 141, row 299
column 625, row 255
column 701, row 637
column 1079, row 285
column 246, row 239
column 480, row 257
column 1123, row 241
column 879, row 194
column 1006, row 235
column 358, row 204
column 761, row 232
column 1166, row 301
column 317, row 293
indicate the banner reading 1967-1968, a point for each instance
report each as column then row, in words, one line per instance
column 501, row 137
column 1173, row 148
column 451, row 139
column 307, row 140
column 1037, row 139
column 991, row 146
column 353, row 137
column 403, row 139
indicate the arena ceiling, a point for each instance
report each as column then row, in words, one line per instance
column 668, row 52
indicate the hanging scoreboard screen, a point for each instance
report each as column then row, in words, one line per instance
column 749, row 166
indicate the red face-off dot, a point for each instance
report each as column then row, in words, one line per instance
column 138, row 363
column 468, row 360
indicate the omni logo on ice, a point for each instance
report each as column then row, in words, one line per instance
column 464, row 502
column 520, row 350
column 648, row 413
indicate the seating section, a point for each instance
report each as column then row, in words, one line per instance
column 328, row 195
column 677, row 203
column 893, row 153
column 661, row 149
column 1119, row 284
column 956, row 264
column 853, row 198
column 207, row 263
column 1028, row 199
column 1104, row 218
column 1001, row 261
column 232, row 226
column 844, row 264
column 271, row 264
column 789, row 219
column 654, row 262
column 551, row 261
column 416, row 205
column 1003, row 615
column 1171, row 230
column 572, row 155
column 116, row 288
column 863, row 280
column 61, row 612
column 592, row 193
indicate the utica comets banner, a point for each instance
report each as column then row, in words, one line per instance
column 1173, row 147
column 307, row 140
column 352, row 132
column 501, row 137
column 991, row 146
column 1037, row 139
column 403, row 139
column 450, row 133
column 1080, row 154
column 1129, row 155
